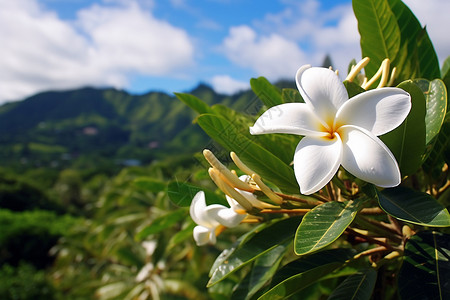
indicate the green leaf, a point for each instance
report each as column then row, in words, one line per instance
column 445, row 71
column 291, row 96
column 413, row 206
column 426, row 267
column 193, row 102
column 161, row 223
column 263, row 239
column 353, row 89
column 269, row 94
column 417, row 58
column 435, row 159
column 266, row 164
column 150, row 184
column 407, row 142
column 436, row 104
column 181, row 235
column 262, row 271
column 380, row 34
column 446, row 74
column 324, row 224
column 358, row 286
column 182, row 193
column 299, row 274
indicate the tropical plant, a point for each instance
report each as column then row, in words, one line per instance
column 346, row 191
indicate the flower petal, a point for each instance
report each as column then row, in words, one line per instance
column 316, row 160
column 379, row 110
column 203, row 235
column 322, row 89
column 293, row 118
column 197, row 207
column 366, row 157
column 229, row 218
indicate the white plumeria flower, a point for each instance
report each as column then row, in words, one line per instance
column 338, row 131
column 209, row 218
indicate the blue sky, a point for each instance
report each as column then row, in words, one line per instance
column 172, row 45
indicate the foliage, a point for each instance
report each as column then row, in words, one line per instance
column 349, row 239
column 25, row 283
column 28, row 236
column 132, row 237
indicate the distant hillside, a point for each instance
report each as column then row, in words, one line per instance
column 90, row 126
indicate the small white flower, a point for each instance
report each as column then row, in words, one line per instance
column 209, row 218
column 338, row 131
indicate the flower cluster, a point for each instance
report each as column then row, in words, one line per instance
column 212, row 219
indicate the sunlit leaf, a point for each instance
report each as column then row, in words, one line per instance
column 266, row 164
column 414, row 207
column 193, row 102
column 324, row 224
column 417, row 58
column 425, row 271
column 380, row 34
column 358, row 286
column 299, row 274
column 269, row 94
column 407, row 142
column 263, row 239
column 436, row 105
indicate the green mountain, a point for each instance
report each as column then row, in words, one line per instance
column 89, row 126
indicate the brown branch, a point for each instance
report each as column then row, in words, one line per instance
column 369, row 239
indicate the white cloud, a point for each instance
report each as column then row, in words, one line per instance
column 224, row 84
column 272, row 55
column 303, row 33
column 102, row 47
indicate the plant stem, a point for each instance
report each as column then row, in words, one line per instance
column 297, row 199
column 369, row 239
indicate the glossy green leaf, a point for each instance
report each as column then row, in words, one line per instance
column 445, row 71
column 299, row 274
column 435, row 160
column 425, row 271
column 150, row 184
column 353, row 89
column 266, row 164
column 182, row 193
column 407, row 142
column 413, row 206
column 269, row 94
column 193, row 102
column 358, row 286
column 262, row 271
column 380, row 33
column 161, row 223
column 436, row 104
column 324, row 224
column 417, row 58
column 291, row 96
column 263, row 239
column 446, row 74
